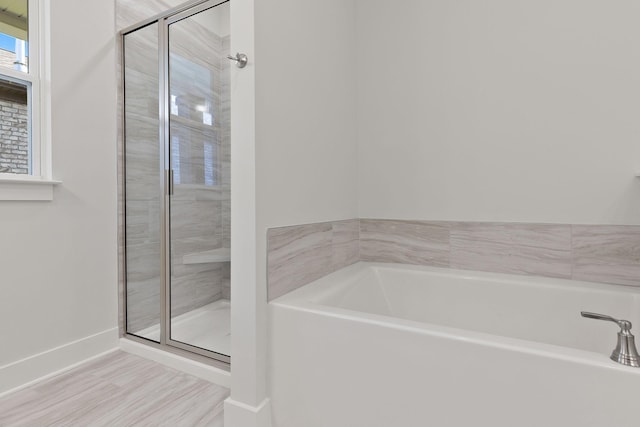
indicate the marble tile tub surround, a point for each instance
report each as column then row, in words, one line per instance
column 532, row 249
column 595, row 253
column 300, row 254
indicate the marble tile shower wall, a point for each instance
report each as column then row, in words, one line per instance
column 143, row 290
column 596, row 253
column 200, row 214
column 225, row 153
column 142, row 172
column 200, row 210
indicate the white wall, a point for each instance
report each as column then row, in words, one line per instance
column 296, row 165
column 305, row 111
column 499, row 110
column 306, row 141
column 58, row 259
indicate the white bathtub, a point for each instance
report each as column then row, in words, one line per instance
column 389, row 345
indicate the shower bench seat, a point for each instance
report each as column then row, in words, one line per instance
column 213, row 255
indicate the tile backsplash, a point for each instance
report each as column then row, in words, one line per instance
column 299, row 254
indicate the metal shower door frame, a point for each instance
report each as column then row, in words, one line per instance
column 166, row 180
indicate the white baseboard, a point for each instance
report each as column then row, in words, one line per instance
column 238, row 414
column 192, row 367
column 25, row 372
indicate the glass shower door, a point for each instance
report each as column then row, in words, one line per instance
column 143, row 195
column 198, row 111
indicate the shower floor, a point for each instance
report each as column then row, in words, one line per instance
column 207, row 327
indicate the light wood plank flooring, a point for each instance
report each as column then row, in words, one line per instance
column 118, row 389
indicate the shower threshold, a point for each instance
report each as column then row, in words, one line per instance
column 207, row 327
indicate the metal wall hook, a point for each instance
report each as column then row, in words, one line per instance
column 240, row 59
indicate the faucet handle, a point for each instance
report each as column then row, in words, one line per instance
column 625, row 325
column 625, row 352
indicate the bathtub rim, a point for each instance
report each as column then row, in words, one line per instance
column 304, row 299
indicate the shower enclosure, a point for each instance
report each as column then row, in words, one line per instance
column 177, row 179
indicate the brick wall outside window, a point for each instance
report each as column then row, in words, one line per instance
column 14, row 138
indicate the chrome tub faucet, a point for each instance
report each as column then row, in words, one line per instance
column 625, row 352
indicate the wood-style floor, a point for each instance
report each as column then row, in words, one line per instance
column 118, row 390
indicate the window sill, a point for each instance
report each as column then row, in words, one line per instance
column 26, row 188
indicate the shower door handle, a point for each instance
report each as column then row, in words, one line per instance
column 169, row 181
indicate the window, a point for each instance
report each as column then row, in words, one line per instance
column 195, row 133
column 25, row 161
